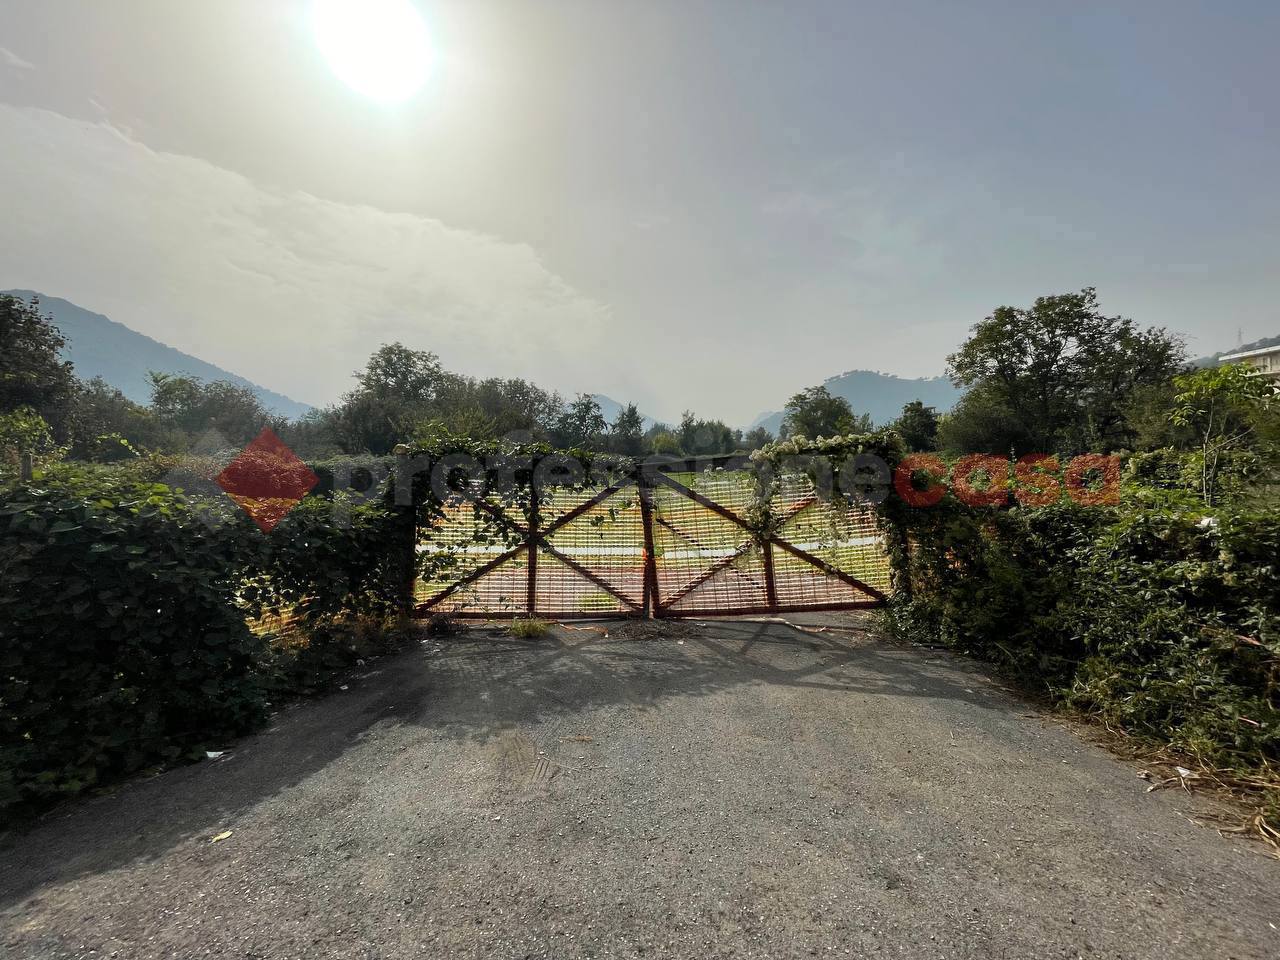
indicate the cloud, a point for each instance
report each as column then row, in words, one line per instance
column 11, row 59
column 290, row 290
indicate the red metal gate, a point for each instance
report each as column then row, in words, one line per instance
column 672, row 541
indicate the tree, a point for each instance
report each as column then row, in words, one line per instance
column 699, row 437
column 918, row 426
column 395, row 392
column 32, row 371
column 1224, row 406
column 312, row 435
column 495, row 407
column 405, row 394
column 664, row 443
column 364, row 423
column 195, row 407
column 983, row 423
column 582, row 424
column 100, row 410
column 518, row 405
column 1063, row 371
column 815, row 412
column 627, row 434
column 396, row 373
column 23, row 431
column 756, row 438
column 1148, row 413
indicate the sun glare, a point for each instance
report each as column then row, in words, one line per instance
column 379, row 48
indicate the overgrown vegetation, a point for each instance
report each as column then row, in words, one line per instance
column 1161, row 621
column 1158, row 615
column 139, row 625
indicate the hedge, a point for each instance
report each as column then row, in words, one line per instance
column 1165, row 623
column 125, row 620
column 1155, row 614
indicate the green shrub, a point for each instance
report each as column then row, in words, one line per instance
column 530, row 629
column 121, row 642
column 1165, row 622
column 125, row 612
column 986, row 582
column 1179, row 617
column 110, row 448
column 24, row 431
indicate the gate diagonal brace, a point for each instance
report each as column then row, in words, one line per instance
column 539, row 538
column 775, row 540
column 710, row 572
column 470, row 578
column 827, row 568
column 699, row 499
column 725, row 561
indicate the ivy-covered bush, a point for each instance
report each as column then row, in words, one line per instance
column 1142, row 607
column 24, row 431
column 121, row 641
column 1178, row 617
column 141, row 625
column 1168, row 478
column 987, row 582
column 1163, row 621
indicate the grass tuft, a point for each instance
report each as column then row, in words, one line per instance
column 531, row 629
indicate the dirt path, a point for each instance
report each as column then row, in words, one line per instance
column 755, row 791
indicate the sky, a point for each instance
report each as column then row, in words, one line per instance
column 688, row 204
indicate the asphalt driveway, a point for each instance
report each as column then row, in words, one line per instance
column 739, row 789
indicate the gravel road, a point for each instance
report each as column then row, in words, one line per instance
column 735, row 789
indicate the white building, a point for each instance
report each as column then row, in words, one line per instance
column 1265, row 360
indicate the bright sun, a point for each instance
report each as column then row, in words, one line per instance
column 377, row 47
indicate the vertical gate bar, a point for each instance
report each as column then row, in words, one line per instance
column 763, row 479
column 770, row 585
column 405, row 525
column 531, row 601
column 650, row 561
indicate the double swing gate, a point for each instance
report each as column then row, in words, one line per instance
column 689, row 538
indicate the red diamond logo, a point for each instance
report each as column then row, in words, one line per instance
column 267, row 480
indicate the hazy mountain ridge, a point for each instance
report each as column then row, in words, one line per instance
column 882, row 395
column 101, row 347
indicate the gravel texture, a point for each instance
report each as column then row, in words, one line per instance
column 731, row 789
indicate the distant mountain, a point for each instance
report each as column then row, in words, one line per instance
column 611, row 408
column 1217, row 357
column 100, row 347
column 881, row 395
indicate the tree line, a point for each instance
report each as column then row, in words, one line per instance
column 1057, row 377
column 401, row 395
